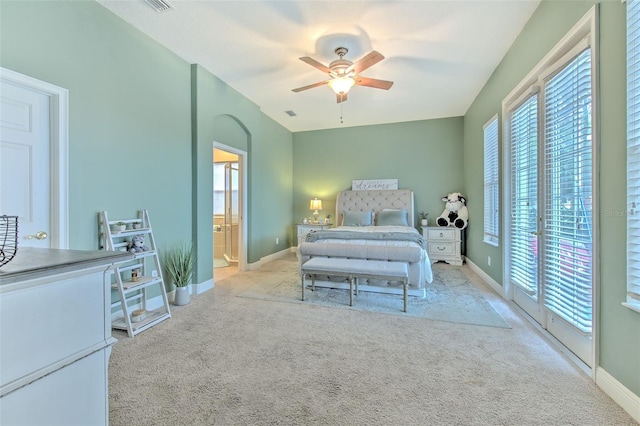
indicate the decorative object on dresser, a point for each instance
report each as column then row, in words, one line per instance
column 315, row 205
column 134, row 278
column 8, row 238
column 179, row 262
column 444, row 244
column 455, row 211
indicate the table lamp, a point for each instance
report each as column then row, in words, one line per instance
column 315, row 205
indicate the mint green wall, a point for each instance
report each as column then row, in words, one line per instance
column 131, row 144
column 222, row 115
column 425, row 156
column 619, row 327
column 129, row 130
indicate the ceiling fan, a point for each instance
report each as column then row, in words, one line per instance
column 345, row 74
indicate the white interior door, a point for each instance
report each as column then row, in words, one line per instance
column 24, row 162
column 33, row 159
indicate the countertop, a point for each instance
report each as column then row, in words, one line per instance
column 30, row 263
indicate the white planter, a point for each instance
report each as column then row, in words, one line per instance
column 118, row 228
column 182, row 296
column 424, row 222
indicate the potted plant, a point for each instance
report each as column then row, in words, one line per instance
column 423, row 219
column 118, row 226
column 137, row 225
column 179, row 263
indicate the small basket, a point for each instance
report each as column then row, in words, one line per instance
column 8, row 238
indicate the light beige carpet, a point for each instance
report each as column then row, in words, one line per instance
column 228, row 360
column 450, row 297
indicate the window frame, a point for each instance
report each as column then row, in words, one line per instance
column 633, row 155
column 491, row 138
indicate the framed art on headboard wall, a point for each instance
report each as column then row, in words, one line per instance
column 371, row 184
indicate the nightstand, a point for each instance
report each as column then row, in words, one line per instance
column 304, row 229
column 444, row 243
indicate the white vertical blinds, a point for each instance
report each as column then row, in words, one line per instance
column 633, row 155
column 567, row 233
column 523, row 226
column 491, row 182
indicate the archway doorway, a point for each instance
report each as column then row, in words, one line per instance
column 228, row 205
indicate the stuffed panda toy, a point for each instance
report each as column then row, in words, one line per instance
column 136, row 245
column 455, row 212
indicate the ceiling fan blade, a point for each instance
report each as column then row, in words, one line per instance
column 341, row 97
column 365, row 62
column 373, row 82
column 316, row 64
column 311, row 86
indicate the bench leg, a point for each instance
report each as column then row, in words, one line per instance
column 303, row 287
column 351, row 279
column 405, row 284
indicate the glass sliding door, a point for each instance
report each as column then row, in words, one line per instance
column 550, row 258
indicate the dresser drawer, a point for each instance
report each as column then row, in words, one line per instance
column 49, row 323
column 444, row 234
column 442, row 248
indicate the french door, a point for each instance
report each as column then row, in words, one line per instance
column 550, row 236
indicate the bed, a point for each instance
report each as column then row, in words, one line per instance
column 376, row 225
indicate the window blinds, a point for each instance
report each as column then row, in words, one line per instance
column 491, row 197
column 633, row 154
column 567, row 217
column 523, row 226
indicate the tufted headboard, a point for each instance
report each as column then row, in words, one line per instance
column 374, row 200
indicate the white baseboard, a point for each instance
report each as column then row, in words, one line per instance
column 203, row 286
column 487, row 279
column 626, row 399
column 629, row 401
column 277, row 255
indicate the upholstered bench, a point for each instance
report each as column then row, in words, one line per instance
column 352, row 269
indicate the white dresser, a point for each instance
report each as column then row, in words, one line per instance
column 304, row 229
column 55, row 337
column 444, row 243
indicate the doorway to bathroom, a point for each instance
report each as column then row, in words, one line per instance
column 227, row 210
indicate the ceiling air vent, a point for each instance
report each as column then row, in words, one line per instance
column 160, row 5
column 291, row 113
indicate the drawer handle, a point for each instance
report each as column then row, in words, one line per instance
column 441, row 248
column 441, row 235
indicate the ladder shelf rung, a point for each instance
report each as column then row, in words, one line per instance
column 141, row 283
column 151, row 318
column 128, row 232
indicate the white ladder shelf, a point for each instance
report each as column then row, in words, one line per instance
column 134, row 278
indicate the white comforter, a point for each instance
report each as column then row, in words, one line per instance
column 409, row 245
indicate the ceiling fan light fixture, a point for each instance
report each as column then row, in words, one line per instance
column 341, row 84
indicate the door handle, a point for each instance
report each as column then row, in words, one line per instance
column 41, row 235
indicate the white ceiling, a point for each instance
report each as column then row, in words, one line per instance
column 439, row 54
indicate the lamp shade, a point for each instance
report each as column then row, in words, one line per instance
column 341, row 84
column 315, row 204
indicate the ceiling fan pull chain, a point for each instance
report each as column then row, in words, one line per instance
column 341, row 122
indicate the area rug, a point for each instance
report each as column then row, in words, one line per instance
column 451, row 297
